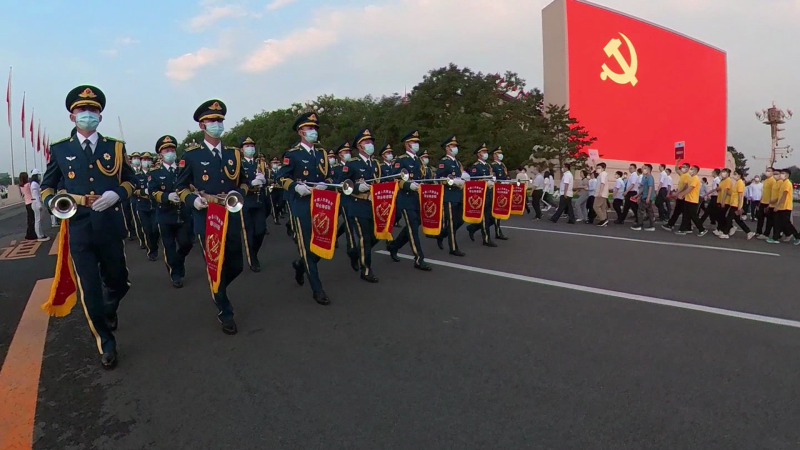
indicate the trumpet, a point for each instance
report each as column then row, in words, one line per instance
column 63, row 206
column 233, row 201
column 403, row 174
column 346, row 186
column 514, row 182
column 449, row 180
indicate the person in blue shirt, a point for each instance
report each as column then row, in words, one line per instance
column 645, row 198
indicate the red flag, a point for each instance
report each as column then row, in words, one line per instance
column 23, row 115
column 33, row 111
column 47, row 149
column 8, row 98
column 39, row 138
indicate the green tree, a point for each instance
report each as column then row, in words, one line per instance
column 740, row 159
column 5, row 179
column 563, row 139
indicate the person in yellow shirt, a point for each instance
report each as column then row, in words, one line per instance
column 690, row 194
column 783, row 211
column 736, row 207
column 775, row 194
column 723, row 203
column 683, row 173
column 763, row 207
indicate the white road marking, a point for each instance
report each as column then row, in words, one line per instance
column 610, row 293
column 644, row 241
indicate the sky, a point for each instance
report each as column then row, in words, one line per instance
column 157, row 61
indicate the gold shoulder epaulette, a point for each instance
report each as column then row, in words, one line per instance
column 61, row 140
column 113, row 139
column 404, row 155
column 231, row 148
column 295, row 148
column 192, row 146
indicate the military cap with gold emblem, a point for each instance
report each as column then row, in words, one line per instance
column 481, row 148
column 386, row 149
column 362, row 135
column 147, row 155
column 343, row 147
column 424, row 154
column 166, row 141
column 136, row 155
column 499, row 149
column 412, row 136
column 274, row 159
column 246, row 141
column 211, row 109
column 309, row 118
column 86, row 95
column 449, row 141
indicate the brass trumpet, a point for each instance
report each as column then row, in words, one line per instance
column 63, row 206
column 403, row 174
column 346, row 186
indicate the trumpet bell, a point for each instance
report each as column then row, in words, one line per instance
column 450, row 182
column 234, row 202
column 63, row 206
column 404, row 174
column 347, row 187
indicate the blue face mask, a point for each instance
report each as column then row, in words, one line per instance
column 454, row 150
column 389, row 157
column 484, row 156
column 249, row 151
column 136, row 162
column 146, row 164
column 215, row 129
column 87, row 120
column 169, row 157
column 311, row 136
column 369, row 149
column 346, row 157
column 415, row 147
column 500, row 157
column 425, row 161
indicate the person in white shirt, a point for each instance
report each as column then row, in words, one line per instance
column 522, row 177
column 565, row 196
column 601, row 196
column 631, row 189
column 536, row 195
column 756, row 189
column 549, row 190
column 713, row 209
column 582, row 190
column 38, row 208
column 619, row 193
column 662, row 193
column 667, row 202
column 590, row 201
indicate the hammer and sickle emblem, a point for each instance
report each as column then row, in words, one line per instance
column 628, row 74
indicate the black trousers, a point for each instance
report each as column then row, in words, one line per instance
column 629, row 205
column 537, row 203
column 712, row 211
column 617, row 205
column 410, row 234
column 764, row 214
column 102, row 274
column 676, row 212
column 128, row 214
column 301, row 217
column 732, row 217
column 486, row 223
column 564, row 203
column 722, row 218
column 783, row 224
column 149, row 231
column 590, row 207
column 453, row 220
column 177, row 241
column 30, row 232
column 363, row 231
column 661, row 206
column 691, row 215
column 254, row 223
column 137, row 225
column 231, row 266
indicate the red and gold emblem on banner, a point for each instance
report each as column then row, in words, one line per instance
column 63, row 291
column 324, row 219
column 383, row 196
column 431, row 197
column 518, row 199
column 501, row 201
column 474, row 199
column 214, row 245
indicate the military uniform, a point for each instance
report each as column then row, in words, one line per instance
column 254, row 213
column 408, row 204
column 482, row 169
column 338, row 175
column 88, row 167
column 386, row 167
column 276, row 200
column 215, row 170
column 174, row 221
column 427, row 170
column 500, row 171
column 303, row 163
column 453, row 217
column 137, row 226
column 127, row 212
column 145, row 211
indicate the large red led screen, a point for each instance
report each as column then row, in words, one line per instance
column 640, row 88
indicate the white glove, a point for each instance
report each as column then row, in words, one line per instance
column 489, row 183
column 147, row 191
column 174, row 197
column 458, row 182
column 322, row 186
column 107, row 200
column 302, row 189
column 363, row 187
column 414, row 186
column 465, row 176
column 257, row 182
column 200, row 203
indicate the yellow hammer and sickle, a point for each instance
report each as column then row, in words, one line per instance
column 628, row 74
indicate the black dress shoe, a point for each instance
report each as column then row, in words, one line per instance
column 229, row 327
column 354, row 264
column 289, row 230
column 369, row 278
column 109, row 360
column 298, row 272
column 177, row 284
column 393, row 253
column 113, row 321
column 501, row 237
column 131, row 238
column 423, row 266
column 255, row 267
column 152, row 258
column 142, row 247
column 322, row 298
column 440, row 243
column 457, row 253
column 471, row 234
column 490, row 244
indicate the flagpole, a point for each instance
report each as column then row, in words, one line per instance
column 25, row 141
column 121, row 134
column 10, row 129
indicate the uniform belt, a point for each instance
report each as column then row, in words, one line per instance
column 84, row 200
column 213, row 199
column 361, row 195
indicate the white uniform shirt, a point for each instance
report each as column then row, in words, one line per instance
column 538, row 181
column 566, row 178
column 619, row 185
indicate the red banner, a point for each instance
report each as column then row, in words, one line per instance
column 324, row 219
column 501, row 201
column 518, row 199
column 383, row 208
column 63, row 291
column 474, row 200
column 431, row 197
column 214, row 246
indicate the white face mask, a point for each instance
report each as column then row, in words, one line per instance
column 331, row 161
column 388, row 157
column 275, row 167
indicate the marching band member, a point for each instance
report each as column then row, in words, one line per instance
column 144, row 209
column 450, row 167
column 174, row 222
column 425, row 162
column 482, row 169
column 408, row 202
column 362, row 224
column 136, row 165
column 338, row 175
column 303, row 163
column 215, row 170
column 386, row 164
column 500, row 171
column 95, row 172
column 254, row 218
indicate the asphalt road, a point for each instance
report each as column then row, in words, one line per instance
column 492, row 352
